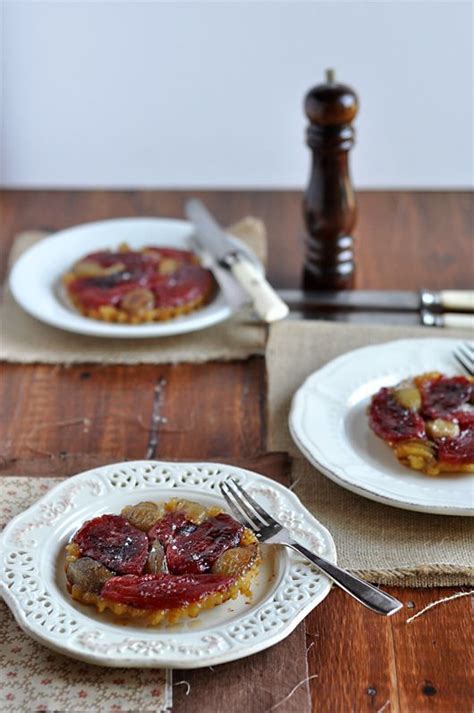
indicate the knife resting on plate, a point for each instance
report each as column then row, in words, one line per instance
column 223, row 253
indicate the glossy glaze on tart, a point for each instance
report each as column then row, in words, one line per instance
column 161, row 561
column 428, row 421
column 136, row 286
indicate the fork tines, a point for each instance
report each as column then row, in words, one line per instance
column 464, row 355
column 247, row 510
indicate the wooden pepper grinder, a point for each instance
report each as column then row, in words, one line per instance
column 329, row 203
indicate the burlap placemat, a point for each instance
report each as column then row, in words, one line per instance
column 383, row 544
column 32, row 678
column 26, row 340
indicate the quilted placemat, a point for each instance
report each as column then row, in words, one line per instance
column 26, row 340
column 384, row 544
column 32, row 678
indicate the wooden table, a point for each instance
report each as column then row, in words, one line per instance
column 357, row 660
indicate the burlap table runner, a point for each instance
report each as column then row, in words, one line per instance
column 383, row 544
column 33, row 678
column 26, row 340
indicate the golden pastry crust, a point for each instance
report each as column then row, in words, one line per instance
column 108, row 313
column 421, row 455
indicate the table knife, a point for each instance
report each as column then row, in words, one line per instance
column 446, row 320
column 212, row 238
column 380, row 300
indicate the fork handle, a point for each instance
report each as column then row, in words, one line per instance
column 458, row 321
column 365, row 593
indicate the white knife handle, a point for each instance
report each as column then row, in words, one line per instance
column 458, row 321
column 462, row 300
column 267, row 303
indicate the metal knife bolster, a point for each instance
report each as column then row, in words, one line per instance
column 235, row 295
column 455, row 320
column 429, row 299
column 231, row 258
column 454, row 300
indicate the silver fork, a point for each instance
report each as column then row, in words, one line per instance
column 267, row 529
column 464, row 355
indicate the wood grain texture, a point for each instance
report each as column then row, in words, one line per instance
column 253, row 685
column 427, row 235
column 60, row 421
column 350, row 650
column 81, row 414
column 434, row 654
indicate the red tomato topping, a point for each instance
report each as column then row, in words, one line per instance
column 111, row 540
column 163, row 591
column 188, row 282
column 196, row 551
column 166, row 528
column 458, row 450
column 444, row 396
column 392, row 421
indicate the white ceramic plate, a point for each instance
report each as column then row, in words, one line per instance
column 329, row 424
column 35, row 280
column 32, row 577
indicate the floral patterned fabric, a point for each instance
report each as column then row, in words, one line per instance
column 32, row 678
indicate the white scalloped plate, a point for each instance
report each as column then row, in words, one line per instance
column 328, row 423
column 35, row 280
column 33, row 584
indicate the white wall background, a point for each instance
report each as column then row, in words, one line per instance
column 209, row 94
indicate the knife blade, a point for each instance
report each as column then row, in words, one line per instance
column 380, row 300
column 446, row 320
column 268, row 305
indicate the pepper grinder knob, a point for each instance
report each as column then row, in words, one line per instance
column 329, row 202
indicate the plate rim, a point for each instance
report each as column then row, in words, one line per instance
column 297, row 402
column 195, row 321
column 233, row 653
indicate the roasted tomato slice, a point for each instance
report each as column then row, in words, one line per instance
column 111, row 540
column 166, row 529
column 443, row 396
column 196, row 551
column 163, row 591
column 392, row 421
column 464, row 417
column 457, row 451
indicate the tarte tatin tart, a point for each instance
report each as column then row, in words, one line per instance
column 159, row 562
column 428, row 421
column 135, row 286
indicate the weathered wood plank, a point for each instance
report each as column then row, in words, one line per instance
column 81, row 414
column 350, row 651
column 212, row 410
column 433, row 653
